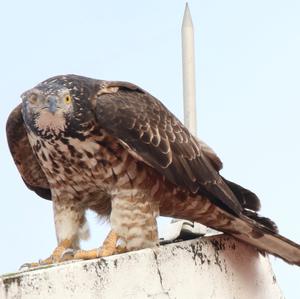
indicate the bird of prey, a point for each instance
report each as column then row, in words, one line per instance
column 113, row 148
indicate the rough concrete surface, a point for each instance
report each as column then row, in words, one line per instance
column 211, row 267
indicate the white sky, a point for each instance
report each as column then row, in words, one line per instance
column 248, row 74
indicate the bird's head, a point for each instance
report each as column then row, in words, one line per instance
column 58, row 105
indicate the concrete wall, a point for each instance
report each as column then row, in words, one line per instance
column 211, row 267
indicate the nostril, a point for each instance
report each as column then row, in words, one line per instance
column 51, row 99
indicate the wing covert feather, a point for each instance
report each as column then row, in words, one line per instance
column 161, row 141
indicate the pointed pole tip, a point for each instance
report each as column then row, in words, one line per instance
column 187, row 18
column 187, row 8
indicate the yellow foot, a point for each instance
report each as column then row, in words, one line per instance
column 108, row 248
column 58, row 255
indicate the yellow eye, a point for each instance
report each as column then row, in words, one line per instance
column 68, row 99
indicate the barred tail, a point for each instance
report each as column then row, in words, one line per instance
column 256, row 234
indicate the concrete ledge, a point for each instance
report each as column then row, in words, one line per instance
column 211, row 267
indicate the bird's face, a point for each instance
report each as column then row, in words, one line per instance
column 47, row 110
column 54, row 105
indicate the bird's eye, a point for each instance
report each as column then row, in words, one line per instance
column 68, row 99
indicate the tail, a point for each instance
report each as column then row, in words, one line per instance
column 251, row 205
column 258, row 235
column 259, row 231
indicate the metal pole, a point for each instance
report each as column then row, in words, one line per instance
column 188, row 71
column 180, row 228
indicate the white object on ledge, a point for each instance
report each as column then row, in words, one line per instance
column 185, row 230
column 210, row 267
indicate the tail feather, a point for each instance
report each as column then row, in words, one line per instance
column 267, row 222
column 247, row 225
column 247, row 199
column 258, row 235
column 251, row 204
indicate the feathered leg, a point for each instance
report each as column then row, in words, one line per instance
column 70, row 226
column 133, row 218
column 133, row 222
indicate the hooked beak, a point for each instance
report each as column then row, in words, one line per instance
column 52, row 102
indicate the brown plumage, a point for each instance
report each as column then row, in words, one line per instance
column 113, row 148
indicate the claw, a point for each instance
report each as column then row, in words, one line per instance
column 120, row 249
column 27, row 266
column 60, row 254
column 67, row 254
column 63, row 252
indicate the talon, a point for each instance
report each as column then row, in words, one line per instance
column 40, row 262
column 27, row 266
column 60, row 254
column 121, row 249
column 24, row 267
column 67, row 254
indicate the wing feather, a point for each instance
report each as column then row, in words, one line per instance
column 149, row 129
column 24, row 158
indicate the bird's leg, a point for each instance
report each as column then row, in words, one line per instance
column 108, row 248
column 133, row 218
column 70, row 225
